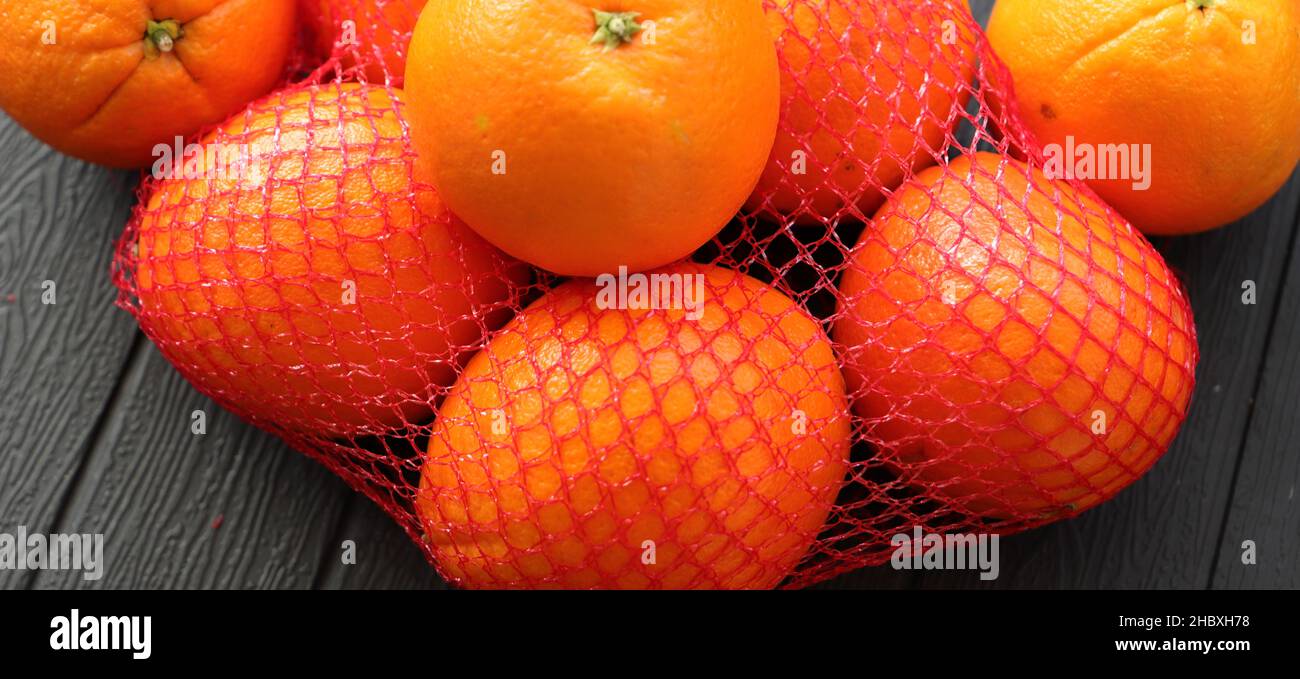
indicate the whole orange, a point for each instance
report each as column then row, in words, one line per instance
column 1211, row 88
column 311, row 283
column 1010, row 343
column 691, row 446
column 108, row 81
column 378, row 36
column 582, row 140
column 869, row 92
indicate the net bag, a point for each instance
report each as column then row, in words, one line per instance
column 912, row 327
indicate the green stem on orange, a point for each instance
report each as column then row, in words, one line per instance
column 1201, row 4
column 615, row 28
column 161, row 36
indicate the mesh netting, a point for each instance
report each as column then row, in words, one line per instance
column 908, row 324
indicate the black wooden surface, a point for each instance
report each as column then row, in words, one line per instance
column 95, row 437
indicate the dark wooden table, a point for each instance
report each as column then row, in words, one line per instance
column 95, row 436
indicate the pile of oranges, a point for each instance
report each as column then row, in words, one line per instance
column 447, row 249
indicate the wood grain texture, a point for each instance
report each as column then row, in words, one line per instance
column 232, row 508
column 385, row 557
column 1265, row 507
column 58, row 363
column 981, row 9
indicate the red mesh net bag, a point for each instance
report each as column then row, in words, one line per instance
column 909, row 323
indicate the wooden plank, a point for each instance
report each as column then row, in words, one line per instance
column 1163, row 531
column 385, row 557
column 58, row 363
column 232, row 508
column 1265, row 508
column 71, row 462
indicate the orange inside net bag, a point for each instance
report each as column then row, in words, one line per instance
column 907, row 324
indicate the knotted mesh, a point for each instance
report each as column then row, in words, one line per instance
column 908, row 324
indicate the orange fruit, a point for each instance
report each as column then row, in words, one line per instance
column 599, row 139
column 315, row 285
column 869, row 92
column 378, row 36
column 1212, row 86
column 590, row 446
column 1010, row 343
column 108, row 81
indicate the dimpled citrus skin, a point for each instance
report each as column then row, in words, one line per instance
column 985, row 328
column 631, row 156
column 97, row 95
column 859, row 125
column 383, row 34
column 579, row 434
column 242, row 278
column 1222, row 115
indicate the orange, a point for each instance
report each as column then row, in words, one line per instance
column 1212, row 86
column 592, row 446
column 315, row 285
column 582, row 139
column 378, row 36
column 869, row 92
column 1010, row 343
column 108, row 81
